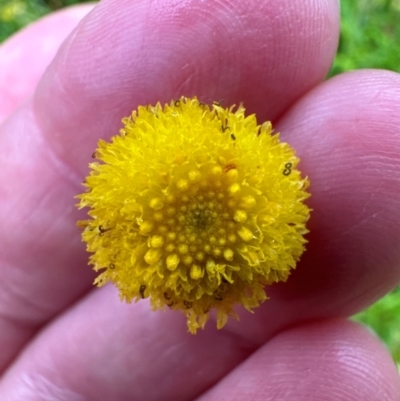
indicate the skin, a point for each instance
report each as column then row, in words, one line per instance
column 62, row 339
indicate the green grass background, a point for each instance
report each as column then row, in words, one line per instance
column 369, row 38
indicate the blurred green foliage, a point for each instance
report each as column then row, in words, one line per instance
column 383, row 317
column 369, row 38
column 369, row 35
column 15, row 14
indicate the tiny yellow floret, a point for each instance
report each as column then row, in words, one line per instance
column 172, row 261
column 240, row 216
column 157, row 241
column 156, row 203
column 196, row 207
column 245, row 234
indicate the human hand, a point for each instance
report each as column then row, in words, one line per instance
column 63, row 340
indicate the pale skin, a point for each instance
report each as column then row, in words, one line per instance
column 62, row 339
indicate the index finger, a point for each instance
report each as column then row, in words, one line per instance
column 262, row 53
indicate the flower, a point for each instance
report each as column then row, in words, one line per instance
column 196, row 207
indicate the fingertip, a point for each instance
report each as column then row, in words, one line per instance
column 346, row 133
column 265, row 54
column 333, row 360
column 25, row 56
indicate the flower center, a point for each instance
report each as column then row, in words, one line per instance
column 198, row 219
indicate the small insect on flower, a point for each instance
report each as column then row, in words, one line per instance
column 196, row 207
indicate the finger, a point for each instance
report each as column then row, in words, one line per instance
column 131, row 349
column 121, row 55
column 330, row 360
column 347, row 135
column 152, row 53
column 118, row 354
column 20, row 72
column 25, row 56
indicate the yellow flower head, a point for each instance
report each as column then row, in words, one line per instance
column 196, row 207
